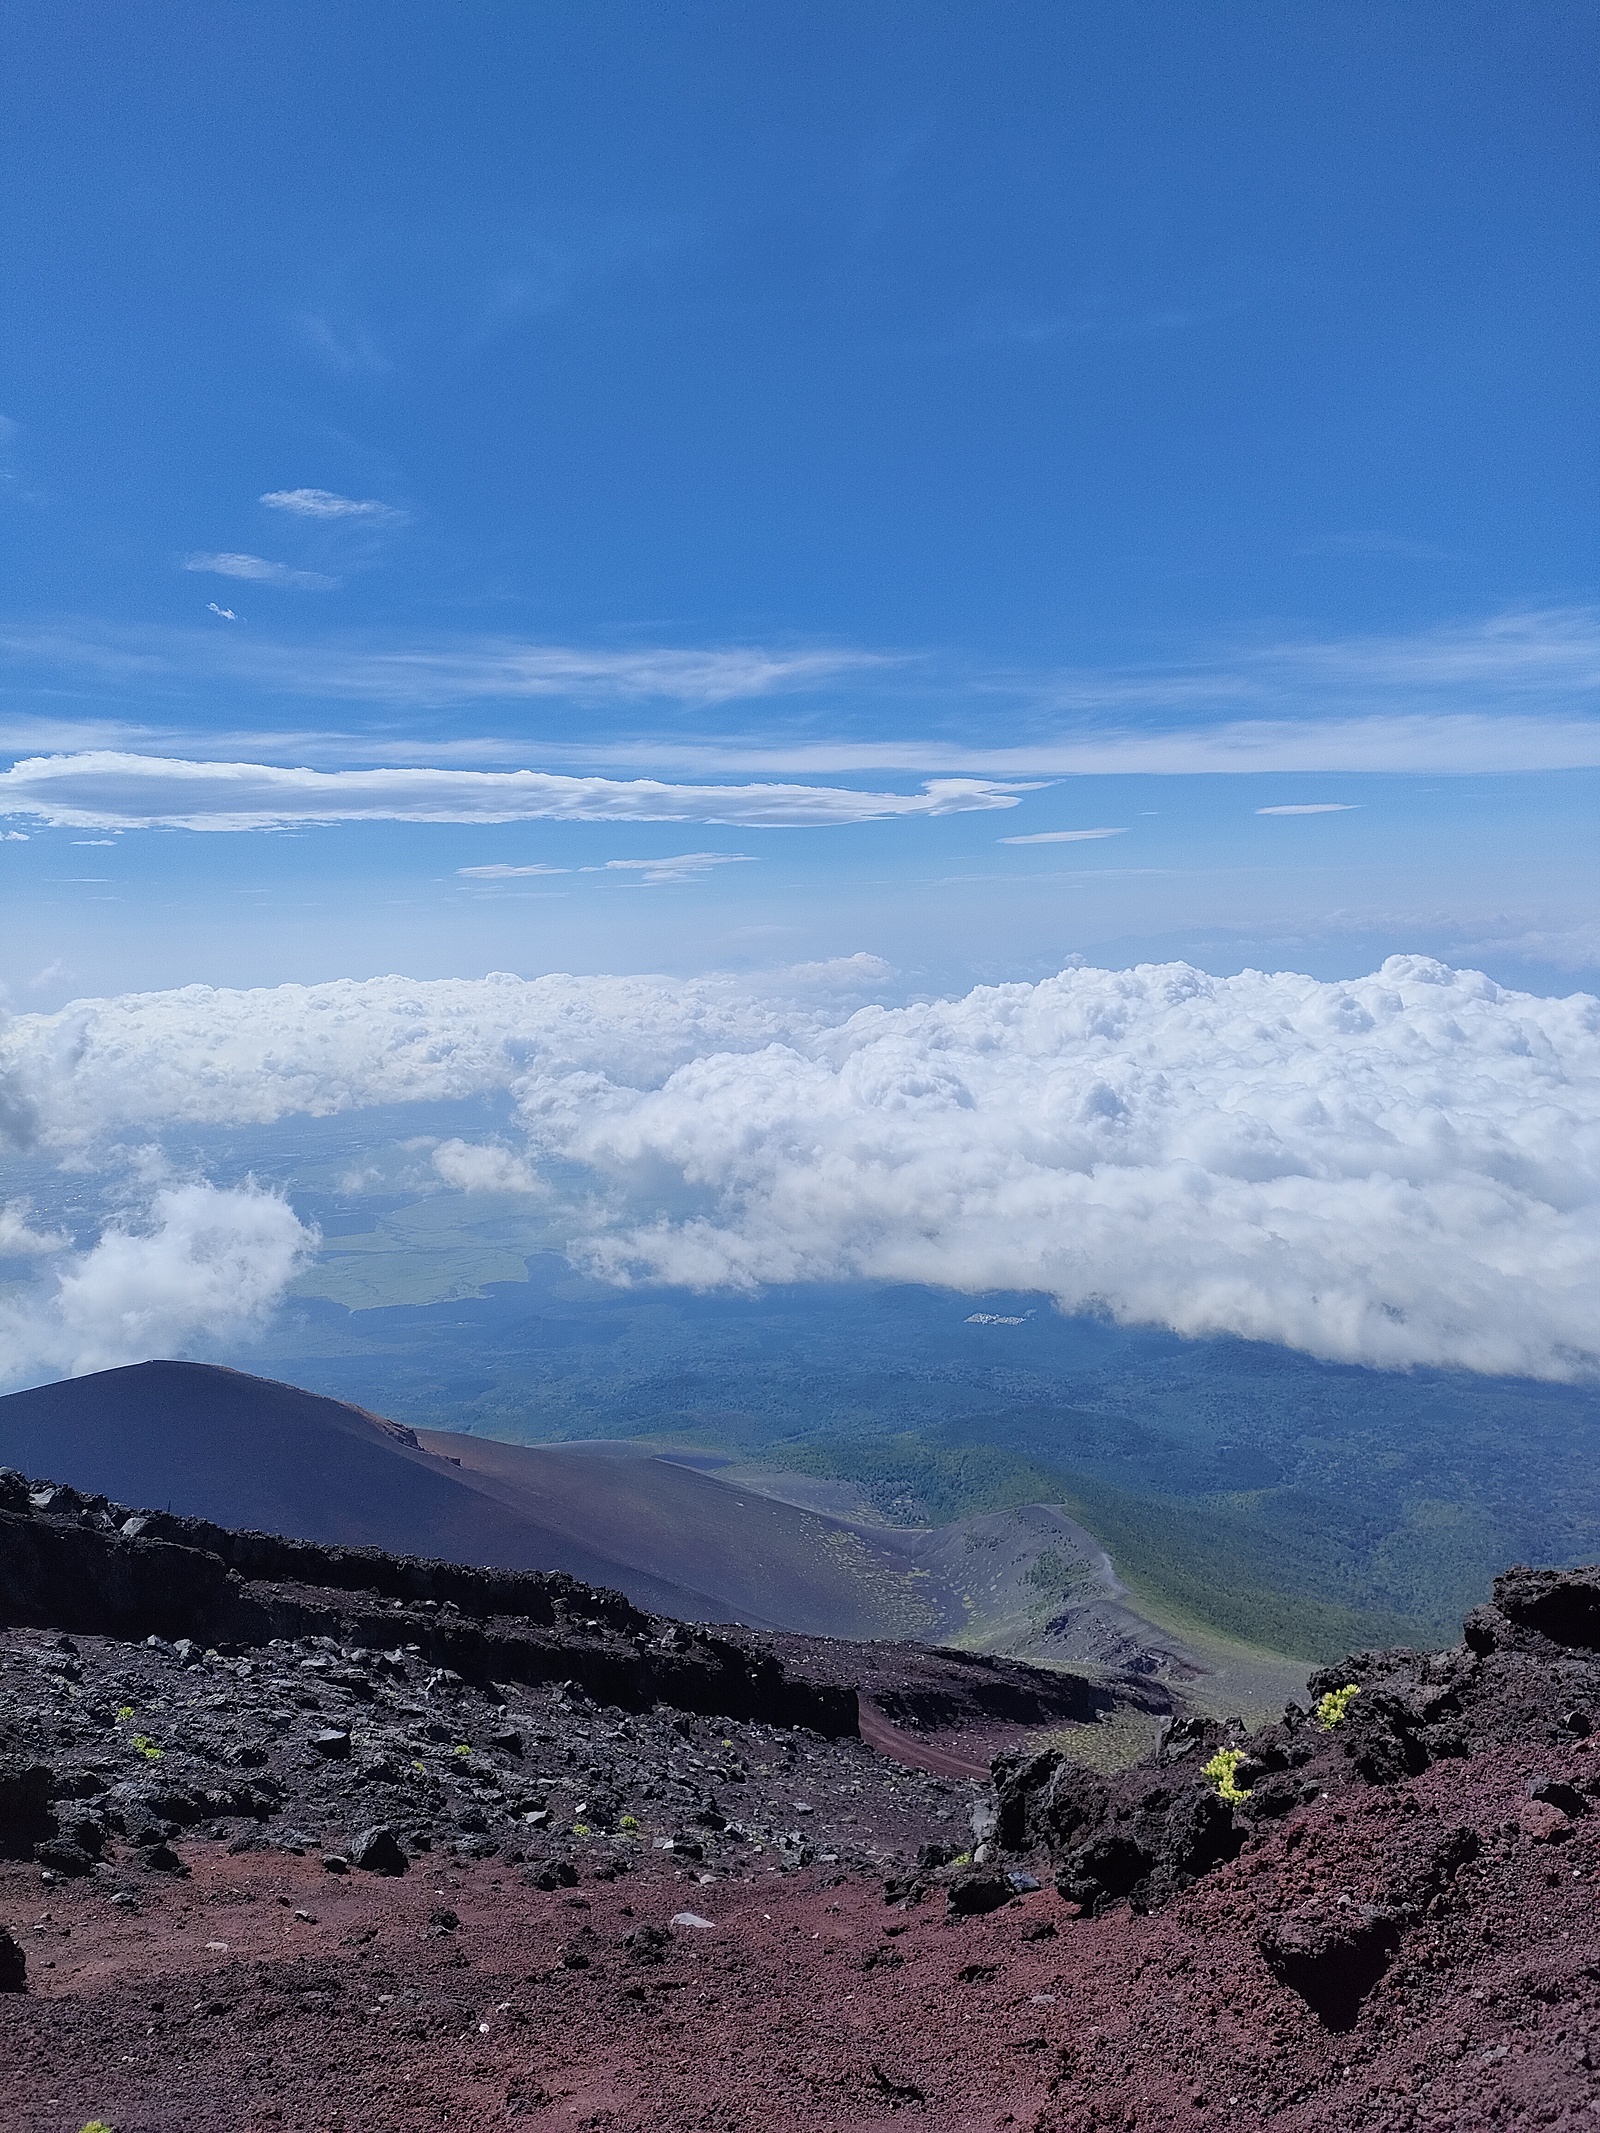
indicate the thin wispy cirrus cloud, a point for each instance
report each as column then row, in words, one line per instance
column 1394, row 1170
column 501, row 871
column 1513, row 692
column 259, row 571
column 327, row 504
column 1089, row 836
column 651, row 873
column 1312, row 807
column 108, row 790
column 682, row 866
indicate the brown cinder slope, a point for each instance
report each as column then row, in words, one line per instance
column 657, row 1914
column 250, row 1452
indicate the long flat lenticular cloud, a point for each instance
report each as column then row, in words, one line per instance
column 106, row 789
column 1397, row 1170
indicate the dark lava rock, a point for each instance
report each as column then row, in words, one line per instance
column 332, row 1743
column 1046, row 1799
column 25, row 1817
column 62, row 1856
column 559, row 1874
column 1563, row 1605
column 84, row 1831
column 378, row 1851
column 1155, row 1837
column 162, row 1859
column 974, row 1894
column 13, row 1965
column 904, row 1888
column 1332, row 1955
column 1555, row 1794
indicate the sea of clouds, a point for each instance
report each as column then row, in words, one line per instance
column 1394, row 1170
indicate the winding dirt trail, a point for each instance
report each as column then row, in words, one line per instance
column 886, row 1738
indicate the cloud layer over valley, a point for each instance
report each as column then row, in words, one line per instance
column 1395, row 1170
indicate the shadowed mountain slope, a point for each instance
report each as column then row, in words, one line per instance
column 772, row 1564
column 246, row 1451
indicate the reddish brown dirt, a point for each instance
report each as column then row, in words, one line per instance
column 805, row 2005
column 937, row 1756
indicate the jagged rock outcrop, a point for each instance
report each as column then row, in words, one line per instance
column 82, row 1564
column 1527, row 1671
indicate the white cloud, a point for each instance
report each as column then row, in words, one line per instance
column 1312, row 807
column 1400, row 1169
column 1065, row 836
column 20, row 1240
column 227, row 614
column 1432, row 743
column 501, row 872
column 205, row 1055
column 487, row 1166
column 203, row 1266
column 260, row 572
column 327, row 504
column 686, row 866
column 104, row 789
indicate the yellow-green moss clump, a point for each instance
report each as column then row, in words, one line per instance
column 1223, row 1771
column 1336, row 1705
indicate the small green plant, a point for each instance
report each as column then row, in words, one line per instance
column 145, row 1746
column 582, row 1829
column 1223, row 1771
column 99, row 2125
column 124, row 1713
column 461, row 1748
column 1336, row 1705
column 628, row 1822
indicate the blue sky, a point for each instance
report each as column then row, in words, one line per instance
column 1147, row 416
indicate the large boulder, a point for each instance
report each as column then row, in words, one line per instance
column 25, row 1816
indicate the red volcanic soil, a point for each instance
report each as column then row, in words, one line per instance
column 385, row 1856
column 264, row 1993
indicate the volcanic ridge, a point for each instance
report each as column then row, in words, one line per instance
column 323, row 1838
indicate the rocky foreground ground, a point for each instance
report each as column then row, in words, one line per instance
column 317, row 1839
